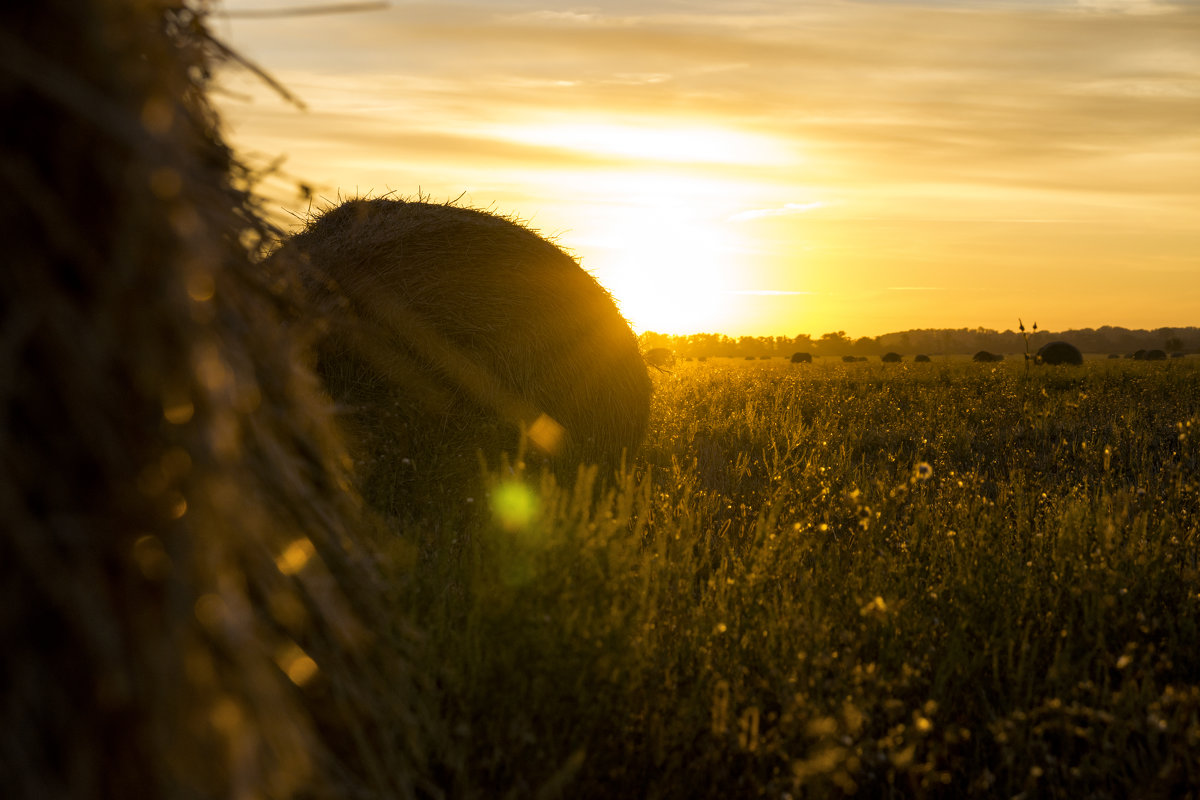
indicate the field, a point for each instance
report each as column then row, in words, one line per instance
column 912, row 580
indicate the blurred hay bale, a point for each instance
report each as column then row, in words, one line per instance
column 801, row 358
column 660, row 358
column 1059, row 353
column 986, row 357
column 891, row 358
column 922, row 358
column 186, row 612
column 450, row 330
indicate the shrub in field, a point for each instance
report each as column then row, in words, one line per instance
column 183, row 599
column 984, row 357
column 1059, row 353
column 891, row 358
column 451, row 330
column 801, row 358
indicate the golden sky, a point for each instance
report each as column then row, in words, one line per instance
column 771, row 167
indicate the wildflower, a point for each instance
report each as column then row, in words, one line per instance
column 922, row 471
column 875, row 608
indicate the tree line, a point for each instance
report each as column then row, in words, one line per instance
column 931, row 341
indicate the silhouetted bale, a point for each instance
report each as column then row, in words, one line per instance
column 764, row 358
column 1178, row 355
column 922, row 358
column 749, row 358
column 1114, row 355
column 1059, row 353
column 983, row 356
column 1156, row 355
column 177, row 548
column 891, row 358
column 801, row 358
column 702, row 358
column 450, row 331
column 849, row 359
column 660, row 358
column 861, row 358
column 1139, row 355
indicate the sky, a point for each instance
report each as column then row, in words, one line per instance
column 766, row 168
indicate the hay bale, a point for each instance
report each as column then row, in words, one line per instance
column 1059, row 353
column 660, row 358
column 985, row 357
column 1114, row 355
column 1156, row 355
column 849, row 359
column 450, row 331
column 182, row 599
column 891, row 358
column 801, row 358
column 1139, row 355
column 1178, row 355
column 922, row 358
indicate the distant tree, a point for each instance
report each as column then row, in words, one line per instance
column 1173, row 344
column 832, row 344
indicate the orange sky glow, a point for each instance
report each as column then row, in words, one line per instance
column 769, row 167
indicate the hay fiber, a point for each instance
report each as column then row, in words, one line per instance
column 181, row 596
column 450, row 331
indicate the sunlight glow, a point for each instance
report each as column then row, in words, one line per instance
column 668, row 271
column 653, row 142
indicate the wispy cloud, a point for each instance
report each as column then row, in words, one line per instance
column 786, row 210
column 915, row 288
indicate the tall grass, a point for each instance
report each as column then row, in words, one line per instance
column 930, row 580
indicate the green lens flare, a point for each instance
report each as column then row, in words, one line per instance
column 514, row 505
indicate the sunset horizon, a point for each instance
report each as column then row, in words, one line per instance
column 778, row 170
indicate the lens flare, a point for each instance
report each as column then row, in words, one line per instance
column 514, row 505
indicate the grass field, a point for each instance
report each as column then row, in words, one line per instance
column 914, row 580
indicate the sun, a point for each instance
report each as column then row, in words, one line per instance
column 669, row 261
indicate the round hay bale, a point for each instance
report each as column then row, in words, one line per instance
column 1139, row 355
column 849, row 359
column 185, row 602
column 1059, row 353
column 891, row 358
column 801, row 358
column 660, row 358
column 985, row 357
column 1178, row 355
column 1114, row 355
column 1156, row 355
column 921, row 358
column 451, row 330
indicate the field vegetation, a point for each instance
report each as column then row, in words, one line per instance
column 909, row 580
